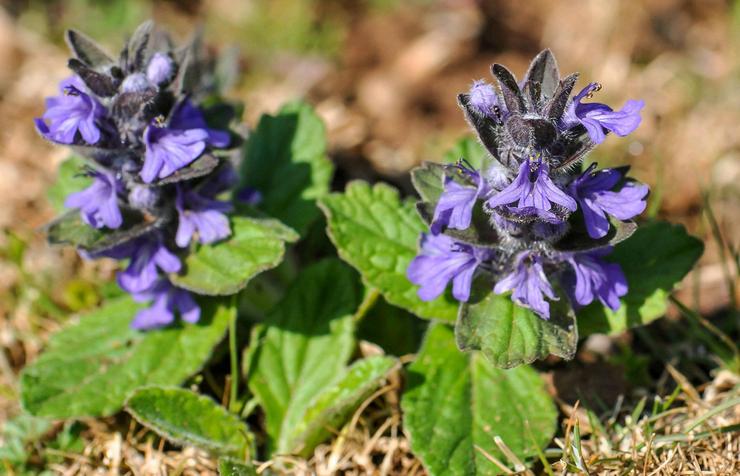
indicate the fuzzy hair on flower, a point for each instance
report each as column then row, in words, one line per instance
column 527, row 222
column 158, row 166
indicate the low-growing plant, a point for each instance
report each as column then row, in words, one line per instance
column 217, row 229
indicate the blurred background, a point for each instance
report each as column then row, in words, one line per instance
column 384, row 75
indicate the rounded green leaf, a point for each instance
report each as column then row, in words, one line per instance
column 69, row 179
column 303, row 346
column 470, row 150
column 90, row 367
column 286, row 162
column 184, row 417
column 335, row 405
column 654, row 260
column 510, row 335
column 428, row 180
column 231, row 467
column 70, row 229
column 455, row 404
column 377, row 233
column 255, row 245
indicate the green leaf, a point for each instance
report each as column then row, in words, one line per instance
column 408, row 330
column 469, row 149
column 184, row 417
column 510, row 335
column 335, row 405
column 286, row 161
column 455, row 404
column 428, row 180
column 303, row 346
column 654, row 260
column 255, row 245
column 480, row 233
column 90, row 367
column 377, row 233
column 69, row 229
column 578, row 239
column 69, row 180
column 231, row 467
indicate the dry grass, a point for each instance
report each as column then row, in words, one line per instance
column 696, row 430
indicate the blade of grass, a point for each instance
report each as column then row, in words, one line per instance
column 718, row 409
column 722, row 248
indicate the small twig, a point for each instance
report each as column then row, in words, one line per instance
column 494, row 460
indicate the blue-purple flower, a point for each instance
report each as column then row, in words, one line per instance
column 599, row 118
column 594, row 193
column 171, row 148
column 442, row 260
column 168, row 150
column 596, row 278
column 455, row 206
column 187, row 116
column 147, row 255
column 533, row 191
column 528, row 283
column 72, row 112
column 167, row 299
column 98, row 203
column 136, row 125
column 201, row 214
column 530, row 186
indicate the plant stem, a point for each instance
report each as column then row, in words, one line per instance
column 368, row 301
column 234, row 387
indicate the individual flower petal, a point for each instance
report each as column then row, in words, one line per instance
column 200, row 214
column 72, row 112
column 533, row 188
column 593, row 191
column 596, row 278
column 443, row 260
column 599, row 118
column 98, row 203
column 167, row 300
column 528, row 283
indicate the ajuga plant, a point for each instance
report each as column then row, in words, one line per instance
column 198, row 208
column 156, row 166
column 541, row 223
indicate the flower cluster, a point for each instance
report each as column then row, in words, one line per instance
column 527, row 218
column 156, row 166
